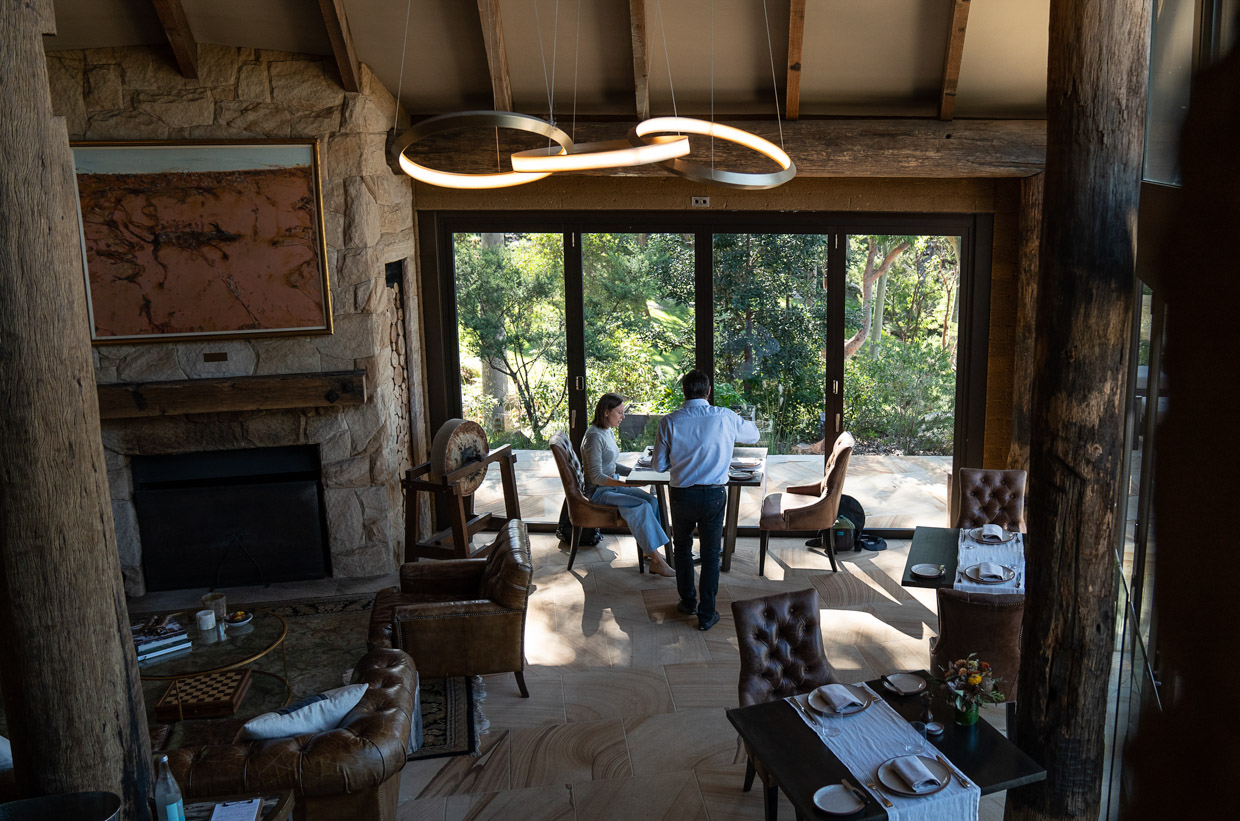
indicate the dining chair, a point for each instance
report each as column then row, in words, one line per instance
column 992, row 497
column 987, row 624
column 808, row 507
column 781, row 655
column 583, row 513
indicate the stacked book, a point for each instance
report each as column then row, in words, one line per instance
column 158, row 637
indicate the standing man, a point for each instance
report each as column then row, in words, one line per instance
column 695, row 444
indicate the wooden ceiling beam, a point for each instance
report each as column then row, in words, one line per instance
column 796, row 35
column 641, row 57
column 497, row 56
column 342, row 44
column 951, row 63
column 180, row 37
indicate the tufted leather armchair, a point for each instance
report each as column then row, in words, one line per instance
column 988, row 624
column 992, row 497
column 349, row 772
column 581, row 511
column 461, row 617
column 808, row 507
column 781, row 655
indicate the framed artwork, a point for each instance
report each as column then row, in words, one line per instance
column 202, row 240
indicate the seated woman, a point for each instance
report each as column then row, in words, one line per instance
column 598, row 460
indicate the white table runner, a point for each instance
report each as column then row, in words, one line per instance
column 969, row 552
column 877, row 735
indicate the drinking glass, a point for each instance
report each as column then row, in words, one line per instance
column 830, row 725
column 916, row 744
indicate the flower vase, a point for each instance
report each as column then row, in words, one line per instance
column 968, row 716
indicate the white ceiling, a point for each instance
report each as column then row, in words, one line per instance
column 871, row 58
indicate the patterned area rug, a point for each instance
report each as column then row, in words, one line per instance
column 326, row 637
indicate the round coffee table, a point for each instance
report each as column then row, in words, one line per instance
column 221, row 649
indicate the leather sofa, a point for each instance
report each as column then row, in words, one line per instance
column 346, row 773
column 461, row 617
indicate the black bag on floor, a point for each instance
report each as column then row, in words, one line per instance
column 590, row 536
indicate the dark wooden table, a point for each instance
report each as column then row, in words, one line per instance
column 800, row 763
column 277, row 806
column 932, row 545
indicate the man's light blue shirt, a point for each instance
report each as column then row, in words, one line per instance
column 695, row 443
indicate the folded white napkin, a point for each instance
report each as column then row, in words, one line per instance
column 992, row 533
column 990, row 570
column 915, row 774
column 839, row 697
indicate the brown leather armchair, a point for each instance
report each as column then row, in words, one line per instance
column 349, row 772
column 461, row 617
column 581, row 511
column 808, row 507
column 781, row 655
column 988, row 624
column 992, row 497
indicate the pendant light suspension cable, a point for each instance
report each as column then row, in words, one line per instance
column 770, row 50
column 400, row 79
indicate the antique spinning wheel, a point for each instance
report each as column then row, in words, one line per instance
column 459, row 443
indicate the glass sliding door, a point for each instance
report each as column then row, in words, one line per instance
column 901, row 323
column 639, row 315
column 513, row 361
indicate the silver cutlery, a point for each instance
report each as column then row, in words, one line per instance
column 963, row 782
column 860, row 795
column 873, row 786
column 893, row 686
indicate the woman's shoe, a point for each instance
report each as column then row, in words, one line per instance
column 659, row 567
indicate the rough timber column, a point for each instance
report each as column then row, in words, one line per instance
column 1095, row 100
column 70, row 681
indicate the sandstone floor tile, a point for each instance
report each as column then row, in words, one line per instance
column 616, row 693
column 703, row 684
column 723, row 792
column 673, row 741
column 894, row 657
column 460, row 774
column 652, row 645
column 505, row 708
column 672, row 796
column 580, row 751
column 426, row 809
column 553, row 802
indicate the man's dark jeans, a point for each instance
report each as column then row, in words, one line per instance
column 700, row 506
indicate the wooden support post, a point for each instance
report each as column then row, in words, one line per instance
column 67, row 667
column 641, row 57
column 497, row 57
column 180, row 36
column 951, row 61
column 1030, row 230
column 796, row 38
column 1095, row 126
column 337, row 25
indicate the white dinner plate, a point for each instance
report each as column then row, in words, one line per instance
column 740, row 475
column 823, row 706
column 974, row 574
column 976, row 535
column 836, row 799
column 889, row 778
column 907, row 683
column 927, row 571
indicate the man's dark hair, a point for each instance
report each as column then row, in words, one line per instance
column 696, row 385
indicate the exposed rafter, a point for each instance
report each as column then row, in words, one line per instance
column 951, row 63
column 796, row 35
column 641, row 57
column 342, row 44
column 497, row 57
column 180, row 37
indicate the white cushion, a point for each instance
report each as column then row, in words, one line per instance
column 315, row 714
column 6, row 754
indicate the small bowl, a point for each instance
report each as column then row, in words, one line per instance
column 229, row 621
column 934, row 728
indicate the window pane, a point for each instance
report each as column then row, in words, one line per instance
column 1171, row 68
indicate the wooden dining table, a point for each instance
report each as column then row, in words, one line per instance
column 800, row 763
column 661, row 481
column 932, row 545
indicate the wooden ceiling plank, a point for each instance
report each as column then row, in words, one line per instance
column 796, row 36
column 180, row 37
column 337, row 25
column 951, row 62
column 641, row 57
column 497, row 56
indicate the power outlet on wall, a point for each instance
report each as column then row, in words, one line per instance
column 699, row 202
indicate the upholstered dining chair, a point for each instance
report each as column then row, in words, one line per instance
column 808, row 507
column 781, row 655
column 984, row 623
column 583, row 513
column 992, row 497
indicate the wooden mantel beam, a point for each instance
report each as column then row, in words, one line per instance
column 342, row 44
column 641, row 57
column 497, row 57
column 180, row 37
column 951, row 63
column 796, row 35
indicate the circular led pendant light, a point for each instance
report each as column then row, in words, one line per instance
column 643, row 131
column 474, row 119
column 600, row 155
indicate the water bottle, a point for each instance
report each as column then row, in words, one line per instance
column 168, row 803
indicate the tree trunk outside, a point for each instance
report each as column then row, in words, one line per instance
column 876, row 327
column 1096, row 112
column 70, row 680
column 494, row 380
column 1030, row 230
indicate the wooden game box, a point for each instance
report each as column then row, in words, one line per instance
column 207, row 696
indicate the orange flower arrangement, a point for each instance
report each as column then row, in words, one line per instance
column 971, row 682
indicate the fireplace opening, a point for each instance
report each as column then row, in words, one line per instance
column 231, row 518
